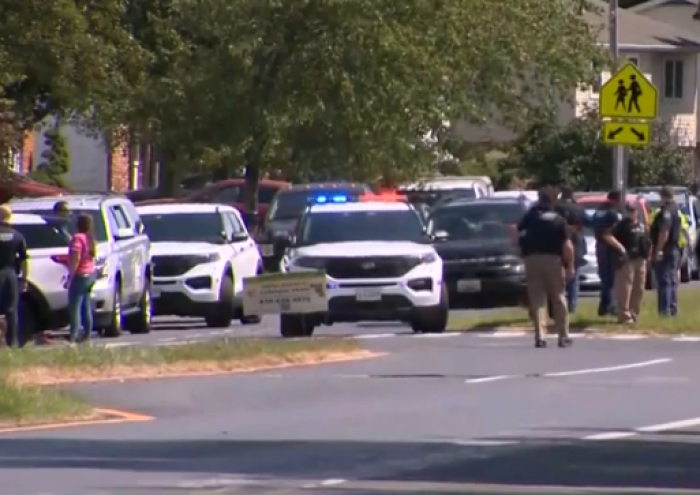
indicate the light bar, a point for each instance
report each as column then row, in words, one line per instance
column 323, row 199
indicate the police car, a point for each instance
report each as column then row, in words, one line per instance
column 201, row 253
column 378, row 261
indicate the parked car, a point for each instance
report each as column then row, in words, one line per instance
column 122, row 292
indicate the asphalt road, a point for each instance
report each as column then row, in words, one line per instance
column 458, row 414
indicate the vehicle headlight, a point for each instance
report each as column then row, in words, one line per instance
column 101, row 268
column 206, row 258
column 308, row 262
column 513, row 263
column 428, row 258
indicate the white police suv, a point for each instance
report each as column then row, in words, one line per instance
column 200, row 255
column 379, row 262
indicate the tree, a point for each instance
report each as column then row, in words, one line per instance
column 576, row 155
column 352, row 86
column 55, row 159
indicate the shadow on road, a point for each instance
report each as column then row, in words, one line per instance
column 540, row 462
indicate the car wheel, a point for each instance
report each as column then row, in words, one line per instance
column 140, row 322
column 225, row 310
column 432, row 319
column 295, row 325
column 114, row 328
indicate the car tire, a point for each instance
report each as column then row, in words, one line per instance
column 432, row 319
column 296, row 326
column 140, row 322
column 225, row 310
column 114, row 328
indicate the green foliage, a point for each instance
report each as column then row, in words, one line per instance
column 55, row 159
column 576, row 155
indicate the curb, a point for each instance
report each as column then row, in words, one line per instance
column 111, row 416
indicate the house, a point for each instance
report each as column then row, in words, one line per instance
column 665, row 45
column 94, row 167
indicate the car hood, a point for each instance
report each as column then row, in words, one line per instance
column 180, row 248
column 368, row 248
column 477, row 247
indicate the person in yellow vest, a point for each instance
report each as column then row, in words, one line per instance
column 684, row 238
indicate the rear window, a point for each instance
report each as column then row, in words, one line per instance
column 42, row 236
column 98, row 223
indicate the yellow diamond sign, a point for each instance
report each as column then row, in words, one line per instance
column 629, row 95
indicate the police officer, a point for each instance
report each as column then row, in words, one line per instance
column 631, row 273
column 13, row 268
column 549, row 263
column 665, row 234
column 61, row 209
column 575, row 217
column 608, row 249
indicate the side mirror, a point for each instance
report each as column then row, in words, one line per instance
column 139, row 228
column 123, row 234
column 239, row 237
column 440, row 235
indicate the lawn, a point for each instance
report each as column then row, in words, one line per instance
column 586, row 318
column 26, row 396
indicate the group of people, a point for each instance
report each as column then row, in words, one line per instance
column 552, row 244
column 80, row 275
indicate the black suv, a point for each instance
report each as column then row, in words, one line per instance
column 286, row 209
column 480, row 250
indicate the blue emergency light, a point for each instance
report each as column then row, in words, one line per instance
column 335, row 198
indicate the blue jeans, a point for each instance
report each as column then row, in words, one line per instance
column 606, row 272
column 572, row 290
column 80, row 306
column 666, row 272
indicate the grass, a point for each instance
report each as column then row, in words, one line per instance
column 586, row 318
column 25, row 397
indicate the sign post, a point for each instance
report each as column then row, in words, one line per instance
column 627, row 104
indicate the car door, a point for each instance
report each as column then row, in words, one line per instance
column 126, row 247
column 142, row 247
column 247, row 251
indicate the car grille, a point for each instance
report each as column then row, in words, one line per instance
column 370, row 267
column 173, row 266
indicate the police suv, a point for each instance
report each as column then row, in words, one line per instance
column 379, row 264
column 201, row 253
column 121, row 295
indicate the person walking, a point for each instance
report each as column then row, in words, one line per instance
column 665, row 235
column 81, row 278
column 13, row 277
column 549, row 263
column 575, row 218
column 631, row 273
column 608, row 250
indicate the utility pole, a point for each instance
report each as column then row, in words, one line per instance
column 619, row 176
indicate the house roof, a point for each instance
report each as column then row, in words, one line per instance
column 638, row 32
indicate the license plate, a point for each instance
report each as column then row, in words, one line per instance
column 368, row 295
column 267, row 249
column 469, row 286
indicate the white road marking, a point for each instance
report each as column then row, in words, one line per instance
column 502, row 335
column 657, row 428
column 112, row 345
column 686, row 339
column 487, row 379
column 627, row 336
column 608, row 369
column 375, row 336
column 332, row 482
column 484, row 443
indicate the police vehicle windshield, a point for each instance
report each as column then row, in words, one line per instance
column 290, row 204
column 357, row 226
column 99, row 230
column 51, row 234
column 184, row 227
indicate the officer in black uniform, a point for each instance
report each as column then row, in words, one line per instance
column 608, row 249
column 575, row 217
column 13, row 268
column 665, row 233
column 631, row 274
column 549, row 263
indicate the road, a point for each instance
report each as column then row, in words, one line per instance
column 434, row 416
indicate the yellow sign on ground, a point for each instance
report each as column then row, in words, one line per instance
column 628, row 94
column 627, row 133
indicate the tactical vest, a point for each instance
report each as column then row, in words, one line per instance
column 674, row 233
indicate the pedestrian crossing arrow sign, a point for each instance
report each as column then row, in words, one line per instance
column 627, row 133
column 629, row 94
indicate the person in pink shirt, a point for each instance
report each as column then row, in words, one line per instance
column 81, row 277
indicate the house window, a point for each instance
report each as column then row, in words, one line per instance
column 673, row 79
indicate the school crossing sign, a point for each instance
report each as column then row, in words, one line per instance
column 628, row 94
